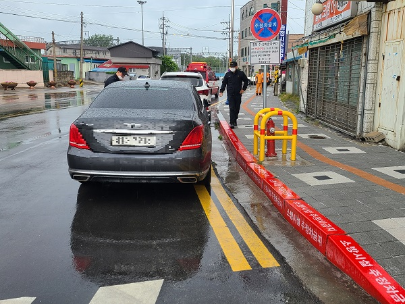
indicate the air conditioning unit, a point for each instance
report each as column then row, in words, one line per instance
column 301, row 62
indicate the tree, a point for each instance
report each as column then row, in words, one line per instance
column 100, row 40
column 168, row 65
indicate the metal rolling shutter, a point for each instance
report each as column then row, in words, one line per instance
column 334, row 83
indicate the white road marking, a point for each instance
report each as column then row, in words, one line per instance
column 396, row 171
column 323, row 178
column 139, row 293
column 52, row 140
column 395, row 226
column 342, row 150
column 24, row 300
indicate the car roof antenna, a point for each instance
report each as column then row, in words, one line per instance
column 147, row 85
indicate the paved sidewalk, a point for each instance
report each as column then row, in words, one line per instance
column 358, row 186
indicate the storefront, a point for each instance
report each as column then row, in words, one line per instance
column 335, row 81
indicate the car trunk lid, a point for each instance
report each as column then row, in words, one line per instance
column 135, row 131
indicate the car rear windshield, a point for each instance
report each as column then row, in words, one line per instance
column 141, row 98
column 203, row 74
column 195, row 81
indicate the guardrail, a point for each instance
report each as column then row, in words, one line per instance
column 259, row 134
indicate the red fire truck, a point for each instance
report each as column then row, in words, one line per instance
column 208, row 74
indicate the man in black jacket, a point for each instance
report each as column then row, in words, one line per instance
column 233, row 81
column 121, row 72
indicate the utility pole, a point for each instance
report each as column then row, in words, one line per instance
column 162, row 26
column 239, row 57
column 232, row 19
column 142, row 3
column 55, row 70
column 81, row 49
column 227, row 33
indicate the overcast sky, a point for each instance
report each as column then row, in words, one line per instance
column 195, row 24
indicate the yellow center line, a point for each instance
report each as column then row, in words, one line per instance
column 256, row 246
column 230, row 247
column 218, row 102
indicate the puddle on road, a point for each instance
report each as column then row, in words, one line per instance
column 15, row 105
column 12, row 105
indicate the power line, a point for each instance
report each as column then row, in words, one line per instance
column 121, row 6
column 112, row 26
column 194, row 29
column 43, row 18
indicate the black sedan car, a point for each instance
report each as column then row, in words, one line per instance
column 142, row 131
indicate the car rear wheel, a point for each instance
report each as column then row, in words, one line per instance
column 207, row 179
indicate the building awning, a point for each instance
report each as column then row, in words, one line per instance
column 104, row 70
column 92, row 60
column 292, row 59
column 110, row 65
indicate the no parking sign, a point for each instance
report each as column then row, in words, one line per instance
column 265, row 24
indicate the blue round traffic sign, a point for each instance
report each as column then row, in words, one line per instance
column 265, row 24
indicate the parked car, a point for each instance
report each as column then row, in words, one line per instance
column 252, row 80
column 208, row 75
column 142, row 77
column 156, row 131
column 197, row 80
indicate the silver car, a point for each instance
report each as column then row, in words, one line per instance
column 195, row 79
column 142, row 131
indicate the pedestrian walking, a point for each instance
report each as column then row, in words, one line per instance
column 119, row 75
column 259, row 82
column 236, row 84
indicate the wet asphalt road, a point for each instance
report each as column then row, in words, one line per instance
column 61, row 241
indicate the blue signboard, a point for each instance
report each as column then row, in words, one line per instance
column 265, row 24
column 282, row 42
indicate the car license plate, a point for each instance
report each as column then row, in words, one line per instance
column 134, row 140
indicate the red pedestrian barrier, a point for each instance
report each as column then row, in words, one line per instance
column 315, row 227
column 345, row 253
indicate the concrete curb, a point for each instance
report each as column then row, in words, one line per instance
column 332, row 241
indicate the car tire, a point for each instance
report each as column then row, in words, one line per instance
column 207, row 180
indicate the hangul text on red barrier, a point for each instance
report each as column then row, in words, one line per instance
column 379, row 278
column 323, row 223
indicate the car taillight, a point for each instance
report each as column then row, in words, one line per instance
column 193, row 139
column 203, row 92
column 76, row 138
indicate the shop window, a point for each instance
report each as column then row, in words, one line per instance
column 275, row 6
column 29, row 59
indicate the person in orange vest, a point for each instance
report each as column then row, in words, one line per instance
column 259, row 82
column 276, row 78
column 268, row 79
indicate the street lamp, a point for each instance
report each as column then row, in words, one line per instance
column 142, row 3
column 317, row 8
